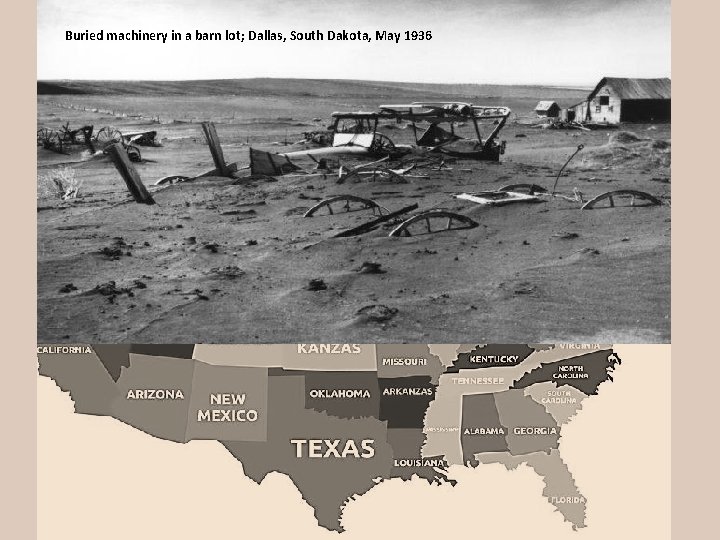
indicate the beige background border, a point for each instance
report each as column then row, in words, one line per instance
column 696, row 368
column 17, row 397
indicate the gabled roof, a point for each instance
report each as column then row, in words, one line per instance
column 626, row 88
column 545, row 105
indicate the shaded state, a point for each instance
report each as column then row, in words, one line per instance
column 481, row 428
column 343, row 394
column 442, row 421
column 561, row 402
column 560, row 488
column 326, row 477
column 85, row 377
column 154, row 395
column 530, row 428
column 407, row 461
column 488, row 356
column 298, row 356
column 404, row 401
column 407, row 360
column 585, row 372
column 114, row 358
column 174, row 350
column 228, row 403
column 446, row 352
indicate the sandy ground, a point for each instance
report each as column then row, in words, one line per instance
column 221, row 260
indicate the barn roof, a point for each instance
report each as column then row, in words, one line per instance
column 545, row 105
column 626, row 88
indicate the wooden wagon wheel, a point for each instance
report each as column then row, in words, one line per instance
column 452, row 221
column 108, row 136
column 347, row 199
column 632, row 194
column 133, row 153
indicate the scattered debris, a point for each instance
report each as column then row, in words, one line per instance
column 497, row 198
column 566, row 235
column 316, row 285
column 228, row 272
column 371, row 268
column 68, row 288
column 531, row 189
column 172, row 179
column 377, row 312
column 110, row 290
column 524, row 288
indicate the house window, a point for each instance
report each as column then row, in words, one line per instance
column 604, row 100
column 597, row 108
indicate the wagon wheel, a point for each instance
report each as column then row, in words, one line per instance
column 133, row 153
column 382, row 144
column 107, row 136
column 620, row 195
column 448, row 221
column 347, row 200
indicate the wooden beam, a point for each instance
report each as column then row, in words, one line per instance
column 215, row 149
column 127, row 170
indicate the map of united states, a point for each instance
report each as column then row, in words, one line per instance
column 338, row 419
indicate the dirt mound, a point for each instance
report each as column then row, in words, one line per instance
column 641, row 154
column 625, row 137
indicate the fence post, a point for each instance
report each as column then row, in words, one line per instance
column 215, row 149
column 129, row 173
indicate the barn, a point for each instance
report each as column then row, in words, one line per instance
column 616, row 100
column 547, row 108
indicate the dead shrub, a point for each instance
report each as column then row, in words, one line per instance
column 61, row 183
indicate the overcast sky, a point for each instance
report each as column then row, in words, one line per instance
column 557, row 42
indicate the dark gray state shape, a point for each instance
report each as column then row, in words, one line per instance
column 596, row 368
column 114, row 357
column 487, row 356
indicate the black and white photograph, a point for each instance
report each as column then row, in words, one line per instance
column 353, row 172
